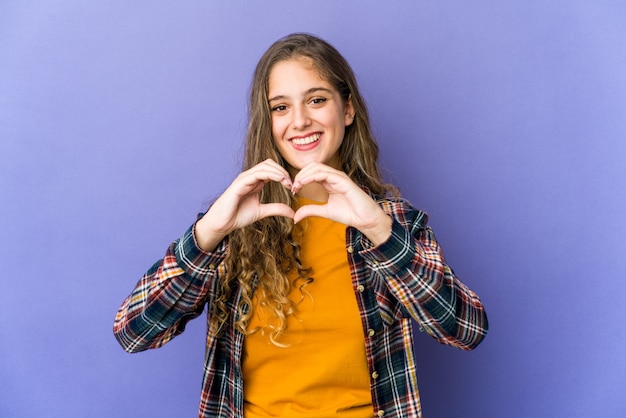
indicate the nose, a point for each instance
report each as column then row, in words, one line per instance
column 300, row 117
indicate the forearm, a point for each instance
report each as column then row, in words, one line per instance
column 412, row 268
column 206, row 235
column 453, row 314
column 150, row 316
column 380, row 231
column 171, row 293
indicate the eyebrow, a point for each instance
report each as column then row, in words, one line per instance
column 309, row 91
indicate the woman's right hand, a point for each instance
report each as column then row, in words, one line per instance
column 239, row 205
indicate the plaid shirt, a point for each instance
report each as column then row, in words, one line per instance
column 404, row 279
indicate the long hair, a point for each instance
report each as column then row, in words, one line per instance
column 265, row 257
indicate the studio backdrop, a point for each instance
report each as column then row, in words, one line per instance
column 505, row 121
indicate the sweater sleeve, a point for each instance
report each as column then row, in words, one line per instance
column 172, row 292
column 413, row 278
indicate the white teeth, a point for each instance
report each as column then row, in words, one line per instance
column 307, row 140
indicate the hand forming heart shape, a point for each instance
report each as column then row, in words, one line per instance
column 239, row 205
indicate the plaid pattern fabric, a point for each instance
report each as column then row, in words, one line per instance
column 403, row 280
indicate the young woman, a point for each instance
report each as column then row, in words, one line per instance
column 312, row 268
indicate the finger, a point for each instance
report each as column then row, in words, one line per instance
column 313, row 168
column 281, row 175
column 332, row 181
column 262, row 174
column 268, row 168
column 310, row 210
column 271, row 164
column 312, row 172
column 275, row 209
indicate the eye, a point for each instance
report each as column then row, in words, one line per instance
column 318, row 100
column 279, row 108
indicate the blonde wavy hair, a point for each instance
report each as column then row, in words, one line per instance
column 263, row 256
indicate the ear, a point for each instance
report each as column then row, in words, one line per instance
column 349, row 112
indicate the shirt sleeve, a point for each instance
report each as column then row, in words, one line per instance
column 172, row 292
column 414, row 278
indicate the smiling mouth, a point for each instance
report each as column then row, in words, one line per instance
column 306, row 140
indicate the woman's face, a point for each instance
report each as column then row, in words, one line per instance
column 309, row 117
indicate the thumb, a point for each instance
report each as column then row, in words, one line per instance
column 310, row 210
column 275, row 209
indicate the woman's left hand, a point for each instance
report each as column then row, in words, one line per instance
column 347, row 203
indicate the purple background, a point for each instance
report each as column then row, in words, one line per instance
column 505, row 120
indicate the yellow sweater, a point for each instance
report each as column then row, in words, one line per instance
column 323, row 372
